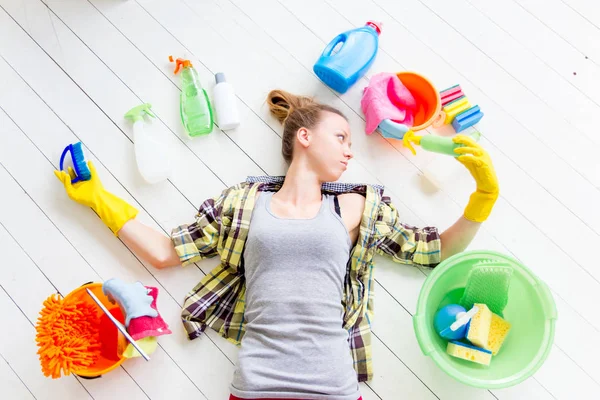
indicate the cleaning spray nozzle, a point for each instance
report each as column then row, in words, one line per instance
column 180, row 62
column 137, row 112
column 411, row 137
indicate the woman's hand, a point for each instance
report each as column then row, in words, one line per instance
column 83, row 192
column 112, row 210
column 479, row 164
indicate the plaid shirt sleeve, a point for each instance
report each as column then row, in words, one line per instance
column 404, row 243
column 199, row 240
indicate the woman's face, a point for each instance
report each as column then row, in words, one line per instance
column 329, row 147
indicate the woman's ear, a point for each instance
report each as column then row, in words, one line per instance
column 304, row 136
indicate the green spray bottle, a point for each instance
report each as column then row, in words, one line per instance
column 437, row 144
column 195, row 108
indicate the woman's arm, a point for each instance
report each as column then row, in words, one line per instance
column 119, row 216
column 149, row 245
column 425, row 246
column 187, row 244
column 456, row 238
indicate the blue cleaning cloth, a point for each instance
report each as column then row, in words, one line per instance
column 132, row 298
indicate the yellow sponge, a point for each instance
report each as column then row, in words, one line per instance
column 147, row 344
column 498, row 331
column 479, row 326
column 455, row 107
column 469, row 353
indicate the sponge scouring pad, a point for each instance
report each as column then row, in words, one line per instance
column 469, row 353
column 499, row 329
column 488, row 282
column 479, row 327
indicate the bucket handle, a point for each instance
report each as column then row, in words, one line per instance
column 547, row 300
column 419, row 323
column 438, row 122
column 342, row 37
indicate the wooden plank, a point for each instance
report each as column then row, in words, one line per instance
column 490, row 41
column 588, row 10
column 569, row 24
column 11, row 381
column 559, row 54
column 403, row 381
column 564, row 381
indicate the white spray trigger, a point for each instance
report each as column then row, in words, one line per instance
column 462, row 318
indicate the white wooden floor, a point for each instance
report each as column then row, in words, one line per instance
column 70, row 69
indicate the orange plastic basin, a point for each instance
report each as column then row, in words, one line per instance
column 111, row 353
column 426, row 97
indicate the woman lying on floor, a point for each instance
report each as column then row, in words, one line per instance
column 295, row 282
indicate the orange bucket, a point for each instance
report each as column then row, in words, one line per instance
column 429, row 107
column 426, row 97
column 112, row 341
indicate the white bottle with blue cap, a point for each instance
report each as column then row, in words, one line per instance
column 225, row 103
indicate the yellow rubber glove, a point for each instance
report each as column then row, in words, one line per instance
column 112, row 210
column 479, row 164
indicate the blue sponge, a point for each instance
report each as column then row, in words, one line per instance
column 467, row 118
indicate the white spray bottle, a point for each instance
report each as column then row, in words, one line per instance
column 151, row 155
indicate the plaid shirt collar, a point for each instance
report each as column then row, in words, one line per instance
column 328, row 187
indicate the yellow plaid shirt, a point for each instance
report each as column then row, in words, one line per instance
column 221, row 228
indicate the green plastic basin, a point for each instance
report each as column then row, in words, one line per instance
column 531, row 311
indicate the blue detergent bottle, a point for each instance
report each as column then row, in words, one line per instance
column 348, row 56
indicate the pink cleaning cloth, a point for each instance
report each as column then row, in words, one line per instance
column 145, row 326
column 387, row 98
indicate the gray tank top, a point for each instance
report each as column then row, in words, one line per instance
column 295, row 346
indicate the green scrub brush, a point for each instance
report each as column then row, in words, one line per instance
column 488, row 283
column 82, row 172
